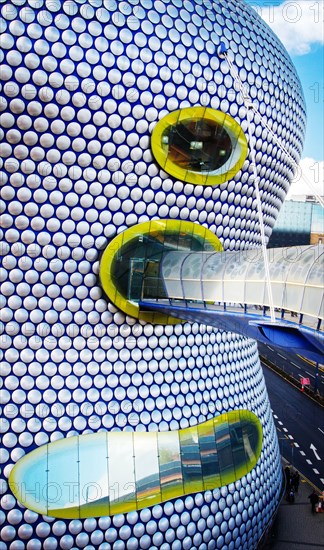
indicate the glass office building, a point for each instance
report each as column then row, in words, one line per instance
column 298, row 223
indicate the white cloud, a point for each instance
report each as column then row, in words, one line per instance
column 309, row 179
column 298, row 23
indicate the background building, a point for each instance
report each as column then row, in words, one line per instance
column 298, row 223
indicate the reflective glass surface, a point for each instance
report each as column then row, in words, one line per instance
column 118, row 472
column 63, row 494
column 197, row 145
column 209, row 455
column 148, row 489
column 170, row 464
column 122, row 481
column 31, row 480
column 93, row 484
column 190, row 460
column 239, row 439
column 223, row 443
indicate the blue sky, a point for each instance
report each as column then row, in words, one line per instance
column 300, row 26
column 310, row 69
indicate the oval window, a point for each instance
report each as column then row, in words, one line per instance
column 199, row 145
column 129, row 267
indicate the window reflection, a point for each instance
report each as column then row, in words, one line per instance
column 147, row 476
column 29, row 479
column 223, row 442
column 190, row 459
column 200, row 145
column 61, row 459
column 209, row 455
column 93, row 481
column 250, row 438
column 122, row 495
column 170, row 465
column 238, row 446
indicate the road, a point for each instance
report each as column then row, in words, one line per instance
column 294, row 364
column 300, row 425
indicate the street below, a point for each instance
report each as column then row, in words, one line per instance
column 300, row 424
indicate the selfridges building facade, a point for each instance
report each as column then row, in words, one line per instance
column 123, row 430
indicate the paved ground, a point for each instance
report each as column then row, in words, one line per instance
column 296, row 528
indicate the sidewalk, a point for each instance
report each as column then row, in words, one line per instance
column 295, row 527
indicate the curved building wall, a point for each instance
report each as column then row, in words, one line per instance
column 84, row 84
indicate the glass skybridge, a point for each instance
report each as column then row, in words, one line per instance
column 229, row 290
column 169, row 271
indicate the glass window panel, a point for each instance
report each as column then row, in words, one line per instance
column 192, row 290
column 121, row 473
column 147, row 472
column 192, row 264
column 234, row 265
column 234, row 291
column 171, row 263
column 312, row 302
column 191, row 462
column 135, row 278
column 299, row 260
column 212, row 291
column 198, row 145
column 254, row 266
column 237, row 444
column 213, row 272
column 214, row 266
column 28, row 480
column 315, row 275
column 255, row 292
column 251, row 439
column 93, row 480
column 278, row 265
column 223, row 444
column 63, row 474
column 209, row 456
column 277, row 293
column 317, row 219
column 170, row 465
column 293, row 297
column 173, row 288
column 291, row 212
column 170, row 269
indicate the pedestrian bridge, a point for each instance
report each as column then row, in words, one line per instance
column 228, row 290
